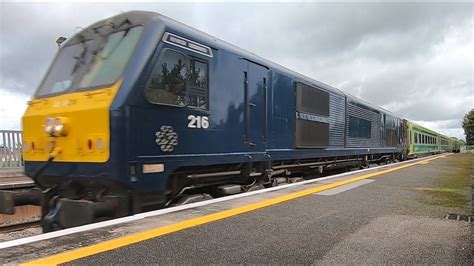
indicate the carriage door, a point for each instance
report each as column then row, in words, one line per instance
column 255, row 102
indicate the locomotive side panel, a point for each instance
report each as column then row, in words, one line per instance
column 319, row 118
column 174, row 125
column 281, row 112
column 363, row 126
column 312, row 113
column 169, row 125
column 392, row 132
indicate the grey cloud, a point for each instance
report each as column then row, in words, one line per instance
column 401, row 56
column 427, row 110
column 29, row 43
column 325, row 30
column 450, row 124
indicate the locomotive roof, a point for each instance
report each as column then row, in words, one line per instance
column 217, row 43
column 116, row 22
column 220, row 44
column 351, row 97
column 146, row 17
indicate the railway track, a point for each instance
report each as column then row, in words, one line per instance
column 25, row 217
column 19, row 226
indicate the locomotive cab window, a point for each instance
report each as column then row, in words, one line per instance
column 96, row 62
column 179, row 81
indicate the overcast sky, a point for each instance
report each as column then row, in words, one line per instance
column 414, row 59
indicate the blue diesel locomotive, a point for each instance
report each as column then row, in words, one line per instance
column 139, row 112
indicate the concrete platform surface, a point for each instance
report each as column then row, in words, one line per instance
column 11, row 178
column 398, row 219
column 19, row 181
column 11, row 172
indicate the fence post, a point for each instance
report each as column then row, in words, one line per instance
column 10, row 149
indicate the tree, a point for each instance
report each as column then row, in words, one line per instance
column 468, row 125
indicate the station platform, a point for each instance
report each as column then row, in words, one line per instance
column 395, row 214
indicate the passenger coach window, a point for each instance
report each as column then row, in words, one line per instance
column 177, row 80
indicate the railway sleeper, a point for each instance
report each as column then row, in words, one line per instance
column 10, row 199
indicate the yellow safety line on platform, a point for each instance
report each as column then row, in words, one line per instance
column 138, row 237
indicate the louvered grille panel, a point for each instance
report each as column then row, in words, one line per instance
column 373, row 117
column 311, row 134
column 337, row 111
column 312, row 100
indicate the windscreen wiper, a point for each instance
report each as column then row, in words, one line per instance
column 104, row 37
column 116, row 45
column 81, row 58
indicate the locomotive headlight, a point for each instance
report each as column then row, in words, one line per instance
column 49, row 125
column 49, row 130
column 56, row 126
column 58, row 129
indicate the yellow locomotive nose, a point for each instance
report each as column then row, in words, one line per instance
column 77, row 123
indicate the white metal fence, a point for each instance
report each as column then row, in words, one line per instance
column 10, row 149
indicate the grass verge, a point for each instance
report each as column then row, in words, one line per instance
column 453, row 190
